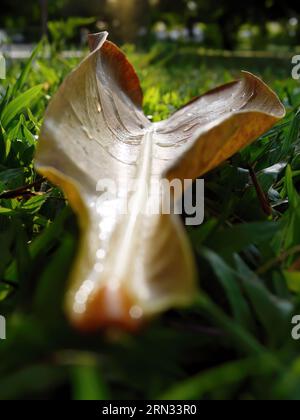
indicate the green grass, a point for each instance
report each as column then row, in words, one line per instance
column 235, row 342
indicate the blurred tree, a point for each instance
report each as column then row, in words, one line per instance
column 128, row 18
column 21, row 16
column 44, row 16
column 125, row 19
column 228, row 14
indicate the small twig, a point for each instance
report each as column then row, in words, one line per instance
column 57, row 198
column 280, row 259
column 197, row 329
column 22, row 191
column 263, row 199
column 9, row 283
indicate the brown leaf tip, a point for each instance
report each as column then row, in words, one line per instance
column 109, row 307
column 95, row 41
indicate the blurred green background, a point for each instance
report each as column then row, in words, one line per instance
column 227, row 24
column 235, row 342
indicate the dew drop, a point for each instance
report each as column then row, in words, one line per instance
column 136, row 312
column 101, row 254
column 88, row 286
column 103, row 236
column 81, row 297
column 79, row 308
column 86, row 131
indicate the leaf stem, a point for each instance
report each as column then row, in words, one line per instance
column 262, row 197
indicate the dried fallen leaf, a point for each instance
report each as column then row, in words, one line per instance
column 132, row 266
